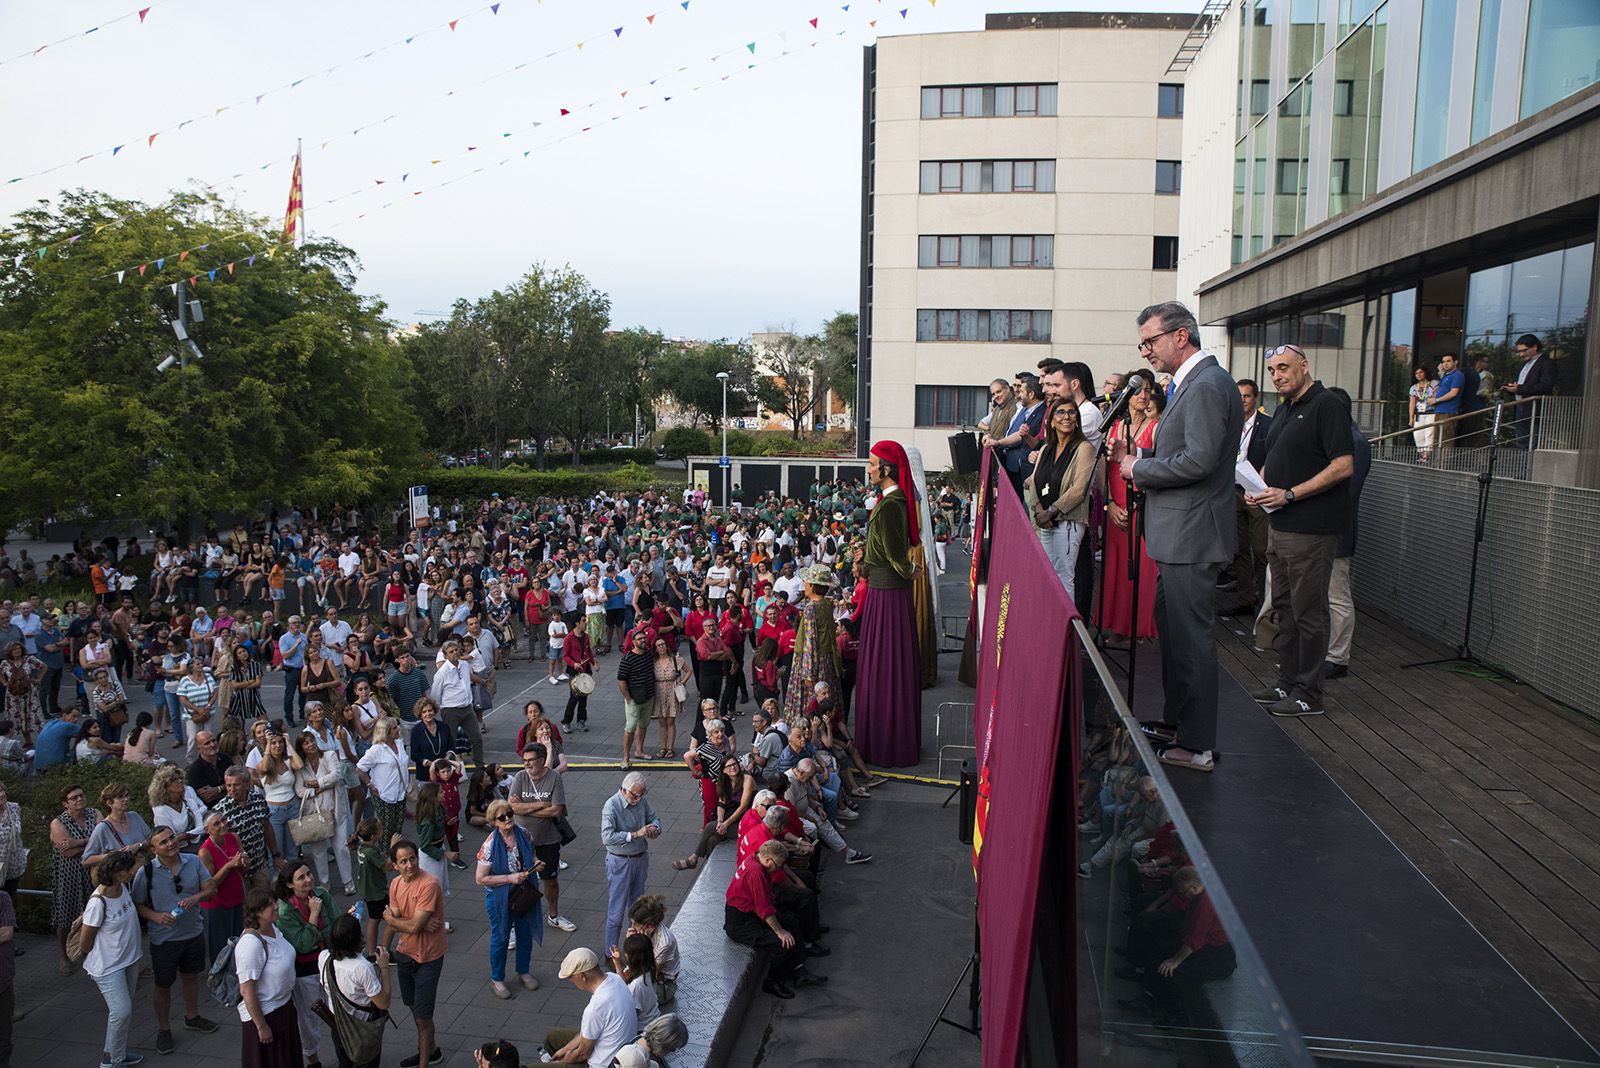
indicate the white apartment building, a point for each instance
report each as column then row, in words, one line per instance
column 1019, row 201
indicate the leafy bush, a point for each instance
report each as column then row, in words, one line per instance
column 683, row 441
column 783, row 445
column 475, row 483
column 741, row 443
column 555, row 459
column 40, row 798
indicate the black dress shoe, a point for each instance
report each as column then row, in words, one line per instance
column 805, row 978
column 1241, row 610
column 777, row 989
column 1330, row 670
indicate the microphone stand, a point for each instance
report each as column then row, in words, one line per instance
column 1119, row 407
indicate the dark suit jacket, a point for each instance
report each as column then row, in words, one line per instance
column 1014, row 457
column 1189, row 516
column 1257, row 453
column 1541, row 380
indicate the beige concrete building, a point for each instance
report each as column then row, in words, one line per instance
column 1020, row 201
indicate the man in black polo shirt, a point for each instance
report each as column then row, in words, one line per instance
column 1307, row 474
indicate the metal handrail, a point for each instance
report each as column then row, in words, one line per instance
column 1443, row 420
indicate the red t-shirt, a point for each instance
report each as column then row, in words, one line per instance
column 786, row 642
column 1201, row 926
column 534, row 604
column 694, row 624
column 732, row 631
column 751, row 836
column 792, row 823
column 751, row 888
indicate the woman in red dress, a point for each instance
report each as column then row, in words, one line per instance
column 1114, row 610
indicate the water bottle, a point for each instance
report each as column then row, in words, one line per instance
column 177, row 910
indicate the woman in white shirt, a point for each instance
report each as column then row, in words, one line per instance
column 176, row 806
column 385, row 771
column 351, row 984
column 278, row 768
column 112, row 949
column 320, row 787
column 264, row 963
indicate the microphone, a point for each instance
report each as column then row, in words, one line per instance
column 1135, row 385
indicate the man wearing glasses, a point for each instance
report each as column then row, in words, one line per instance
column 1189, row 523
column 627, row 823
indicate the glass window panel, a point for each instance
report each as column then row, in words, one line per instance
column 1005, row 100
column 997, row 176
column 925, row 395
column 1563, row 41
column 1022, row 251
column 927, row 251
column 1002, row 252
column 1260, row 96
column 1483, row 75
column 971, row 176
column 1169, row 101
column 1041, row 326
column 1047, row 99
column 1021, row 326
column 1380, row 52
column 949, row 177
column 969, row 250
column 1165, row 254
column 948, row 322
column 1022, row 176
column 999, row 326
column 930, row 178
column 1027, row 100
column 1169, row 176
column 1488, row 302
column 926, row 324
column 1569, row 339
column 1535, row 294
column 930, row 102
column 951, row 106
column 1239, row 124
column 945, row 406
column 972, row 101
column 1352, row 68
column 1044, row 250
column 988, row 100
column 969, row 325
column 1343, row 97
column 1262, row 17
column 949, row 251
column 1435, row 66
column 985, row 252
column 1044, row 176
column 972, row 403
column 1305, row 36
column 983, row 323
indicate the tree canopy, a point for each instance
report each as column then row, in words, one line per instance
column 298, row 397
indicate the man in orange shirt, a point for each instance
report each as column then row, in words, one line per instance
column 416, row 911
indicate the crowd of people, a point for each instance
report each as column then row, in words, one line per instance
column 303, row 752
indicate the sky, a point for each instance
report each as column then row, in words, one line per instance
column 731, row 207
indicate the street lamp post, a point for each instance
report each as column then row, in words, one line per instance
column 722, row 460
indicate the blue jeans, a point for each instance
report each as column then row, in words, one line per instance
column 830, row 799
column 500, row 928
column 117, row 988
column 291, row 694
column 279, row 816
column 625, row 879
column 175, row 713
column 1110, row 812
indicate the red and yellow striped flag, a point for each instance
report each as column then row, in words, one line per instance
column 293, row 219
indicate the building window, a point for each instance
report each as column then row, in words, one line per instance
column 1563, row 41
column 951, row 405
column 986, row 250
column 1169, row 101
column 1436, row 68
column 1260, row 96
column 1169, row 176
column 1344, row 95
column 982, row 324
column 1165, row 257
column 988, row 101
column 1292, row 177
column 989, row 176
column 1339, row 178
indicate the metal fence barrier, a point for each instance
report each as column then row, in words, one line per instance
column 952, row 731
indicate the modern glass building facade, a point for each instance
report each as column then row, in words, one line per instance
column 1409, row 178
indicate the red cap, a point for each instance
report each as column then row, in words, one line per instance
column 895, row 453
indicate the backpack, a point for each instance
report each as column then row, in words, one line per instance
column 222, row 979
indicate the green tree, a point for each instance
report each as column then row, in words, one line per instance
column 631, row 356
column 686, row 441
column 297, row 399
column 789, row 384
column 688, row 375
column 836, row 363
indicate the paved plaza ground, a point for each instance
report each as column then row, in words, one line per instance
column 901, row 924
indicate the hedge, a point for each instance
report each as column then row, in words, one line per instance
column 476, row 483
column 40, row 798
column 605, row 457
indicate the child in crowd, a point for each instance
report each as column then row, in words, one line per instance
column 648, row 916
column 372, row 876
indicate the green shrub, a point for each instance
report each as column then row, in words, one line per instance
column 474, row 483
column 40, row 798
column 557, row 459
column 683, row 441
column 741, row 443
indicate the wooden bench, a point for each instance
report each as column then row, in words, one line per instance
column 717, row 977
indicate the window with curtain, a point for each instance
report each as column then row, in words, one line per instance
column 989, row 101
column 951, row 405
column 983, row 324
column 990, row 176
column 986, row 250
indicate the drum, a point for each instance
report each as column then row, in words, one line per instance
column 583, row 683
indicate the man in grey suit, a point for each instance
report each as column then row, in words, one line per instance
column 1189, row 524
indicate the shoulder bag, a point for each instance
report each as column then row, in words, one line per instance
column 314, row 824
column 361, row 1039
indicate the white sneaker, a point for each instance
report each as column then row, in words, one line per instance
column 552, row 680
column 563, row 677
column 563, row 866
column 563, row 923
column 512, row 942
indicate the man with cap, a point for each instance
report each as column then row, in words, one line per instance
column 889, row 693
column 609, row 1022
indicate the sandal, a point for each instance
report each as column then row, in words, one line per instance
column 685, row 865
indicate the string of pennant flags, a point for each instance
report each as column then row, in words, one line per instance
column 254, row 99
column 683, row 5
column 180, row 258
column 575, row 46
column 138, row 13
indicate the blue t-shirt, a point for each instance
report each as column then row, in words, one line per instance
column 297, row 642
column 614, row 591
column 53, row 742
column 1452, row 380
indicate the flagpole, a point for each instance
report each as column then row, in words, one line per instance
column 301, row 160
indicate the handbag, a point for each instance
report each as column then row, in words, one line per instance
column 313, row 826
column 524, row 898
column 680, row 692
column 361, row 1040
column 564, row 828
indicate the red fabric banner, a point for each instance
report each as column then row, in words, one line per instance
column 1025, row 681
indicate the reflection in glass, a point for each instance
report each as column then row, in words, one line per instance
column 1402, row 334
column 1483, row 76
column 1568, row 340
column 1239, row 173
column 1358, row 92
column 1563, row 51
column 1435, row 65
column 1260, row 143
column 1305, row 37
column 1352, row 12
column 1294, row 160
column 1535, row 294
